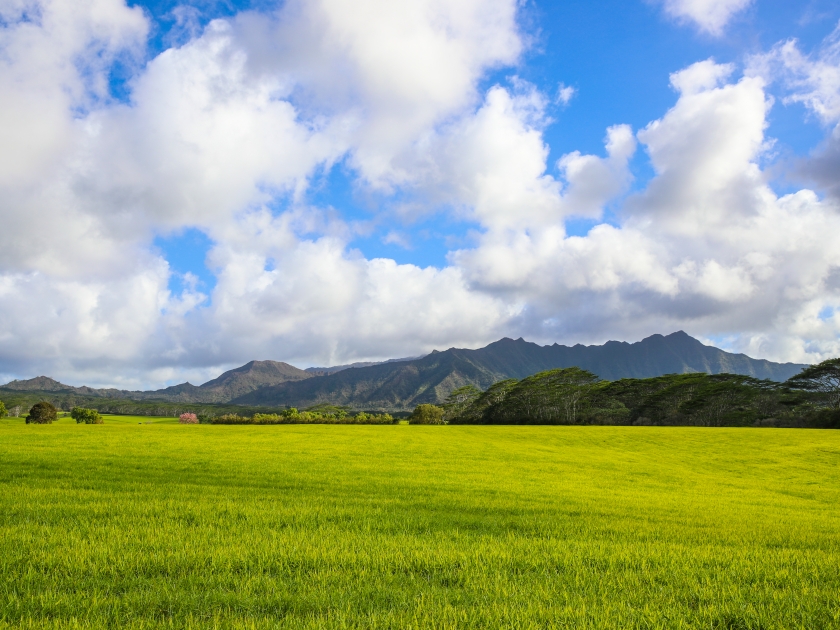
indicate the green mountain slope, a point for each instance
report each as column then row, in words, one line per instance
column 403, row 385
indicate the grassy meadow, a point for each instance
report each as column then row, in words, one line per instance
column 160, row 525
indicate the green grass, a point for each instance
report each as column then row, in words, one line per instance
column 147, row 526
column 64, row 418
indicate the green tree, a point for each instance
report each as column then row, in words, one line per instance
column 459, row 400
column 427, row 414
column 85, row 416
column 723, row 400
column 481, row 410
column 823, row 378
column 3, row 412
column 42, row 413
column 552, row 397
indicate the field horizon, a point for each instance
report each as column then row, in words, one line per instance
column 301, row 526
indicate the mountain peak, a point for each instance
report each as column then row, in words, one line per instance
column 39, row 384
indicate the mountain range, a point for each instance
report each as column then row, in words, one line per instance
column 228, row 386
column 401, row 384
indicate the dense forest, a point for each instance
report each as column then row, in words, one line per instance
column 576, row 396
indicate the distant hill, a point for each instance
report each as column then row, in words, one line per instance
column 248, row 378
column 403, row 385
column 230, row 385
column 37, row 384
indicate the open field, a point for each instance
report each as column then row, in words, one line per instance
column 64, row 418
column 162, row 525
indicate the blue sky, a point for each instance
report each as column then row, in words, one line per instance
column 327, row 181
column 616, row 55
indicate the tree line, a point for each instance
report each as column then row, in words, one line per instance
column 570, row 396
column 322, row 414
column 576, row 396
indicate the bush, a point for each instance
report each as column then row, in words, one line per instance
column 293, row 416
column 230, row 418
column 266, row 418
column 85, row 416
column 188, row 418
column 3, row 412
column 42, row 413
column 427, row 414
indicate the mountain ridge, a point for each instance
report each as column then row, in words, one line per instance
column 223, row 388
column 322, row 371
column 401, row 384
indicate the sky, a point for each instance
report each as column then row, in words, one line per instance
column 188, row 186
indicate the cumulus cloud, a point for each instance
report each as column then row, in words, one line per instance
column 227, row 131
column 710, row 16
column 398, row 68
column 812, row 80
column 317, row 290
column 707, row 245
column 235, row 119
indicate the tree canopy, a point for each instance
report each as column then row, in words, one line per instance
column 427, row 414
column 575, row 396
column 42, row 413
column 823, row 378
column 85, row 416
column 459, row 399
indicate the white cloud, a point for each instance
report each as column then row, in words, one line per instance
column 813, row 81
column 242, row 116
column 701, row 76
column 54, row 62
column 565, row 93
column 397, row 238
column 301, row 298
column 399, row 68
column 226, row 132
column 593, row 181
column 706, row 246
column 710, row 16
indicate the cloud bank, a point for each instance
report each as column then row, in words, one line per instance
column 229, row 132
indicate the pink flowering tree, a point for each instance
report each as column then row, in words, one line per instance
column 188, row 418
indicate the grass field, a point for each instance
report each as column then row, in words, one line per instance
column 161, row 525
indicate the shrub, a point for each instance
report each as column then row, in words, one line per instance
column 231, row 418
column 266, row 418
column 86, row 416
column 293, row 416
column 188, row 418
column 42, row 413
column 427, row 414
column 3, row 412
